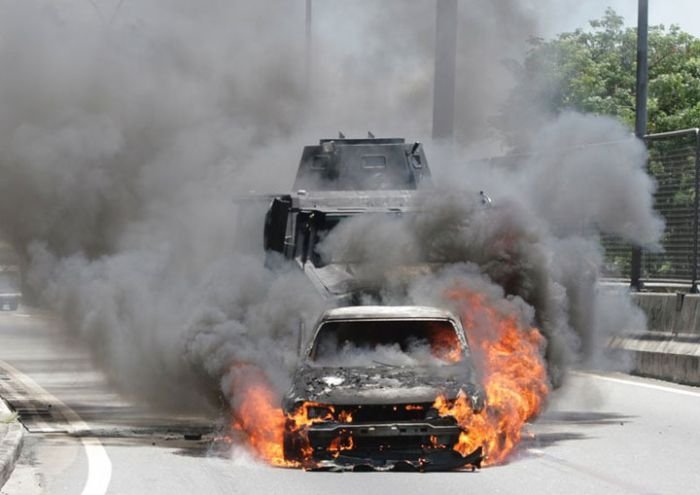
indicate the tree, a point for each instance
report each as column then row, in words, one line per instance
column 595, row 71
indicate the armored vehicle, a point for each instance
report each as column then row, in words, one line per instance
column 338, row 179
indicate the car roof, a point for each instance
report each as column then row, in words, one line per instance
column 386, row 312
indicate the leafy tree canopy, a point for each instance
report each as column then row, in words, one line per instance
column 594, row 70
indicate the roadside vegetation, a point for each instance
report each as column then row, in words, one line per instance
column 594, row 70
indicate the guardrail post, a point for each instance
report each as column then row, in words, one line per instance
column 696, row 207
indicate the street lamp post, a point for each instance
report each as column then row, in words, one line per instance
column 445, row 69
column 640, row 128
column 307, row 53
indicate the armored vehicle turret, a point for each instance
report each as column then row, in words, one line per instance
column 362, row 165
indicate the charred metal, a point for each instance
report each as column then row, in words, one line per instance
column 376, row 414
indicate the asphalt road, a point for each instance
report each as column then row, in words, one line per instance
column 601, row 434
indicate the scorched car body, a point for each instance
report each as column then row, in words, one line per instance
column 363, row 396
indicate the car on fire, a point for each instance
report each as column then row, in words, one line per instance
column 364, row 394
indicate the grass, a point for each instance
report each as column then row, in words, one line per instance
column 8, row 418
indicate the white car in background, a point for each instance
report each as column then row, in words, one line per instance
column 10, row 289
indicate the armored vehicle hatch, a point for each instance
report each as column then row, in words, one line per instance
column 362, row 165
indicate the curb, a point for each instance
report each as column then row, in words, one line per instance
column 662, row 355
column 10, row 444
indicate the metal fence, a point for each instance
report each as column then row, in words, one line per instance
column 674, row 161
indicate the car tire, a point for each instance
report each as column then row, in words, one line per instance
column 292, row 445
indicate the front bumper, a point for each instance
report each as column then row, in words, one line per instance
column 437, row 460
column 411, row 445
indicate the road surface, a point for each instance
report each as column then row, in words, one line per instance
column 604, row 433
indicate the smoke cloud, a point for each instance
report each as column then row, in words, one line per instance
column 540, row 243
column 127, row 130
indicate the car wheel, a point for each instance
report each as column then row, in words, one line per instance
column 293, row 444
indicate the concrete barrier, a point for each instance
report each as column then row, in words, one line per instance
column 663, row 355
column 670, row 350
column 674, row 313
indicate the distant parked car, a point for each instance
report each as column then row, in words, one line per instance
column 10, row 289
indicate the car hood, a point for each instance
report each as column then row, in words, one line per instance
column 378, row 385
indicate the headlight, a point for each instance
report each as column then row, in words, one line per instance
column 319, row 412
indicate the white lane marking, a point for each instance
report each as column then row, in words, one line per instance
column 640, row 384
column 99, row 465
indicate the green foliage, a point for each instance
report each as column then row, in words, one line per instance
column 594, row 71
column 9, row 418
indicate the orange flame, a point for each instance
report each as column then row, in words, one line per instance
column 510, row 359
column 444, row 344
column 343, row 442
column 258, row 415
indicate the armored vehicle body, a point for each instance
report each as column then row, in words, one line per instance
column 362, row 165
column 338, row 179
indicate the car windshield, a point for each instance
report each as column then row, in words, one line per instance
column 370, row 343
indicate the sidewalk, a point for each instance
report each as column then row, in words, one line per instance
column 11, row 439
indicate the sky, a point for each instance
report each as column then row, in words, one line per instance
column 564, row 15
column 567, row 16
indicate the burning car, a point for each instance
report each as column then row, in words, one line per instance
column 364, row 395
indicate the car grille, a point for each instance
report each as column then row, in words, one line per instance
column 392, row 412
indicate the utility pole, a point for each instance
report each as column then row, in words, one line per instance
column 446, row 23
column 308, row 49
column 640, row 128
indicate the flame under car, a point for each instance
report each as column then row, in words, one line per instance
column 364, row 395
